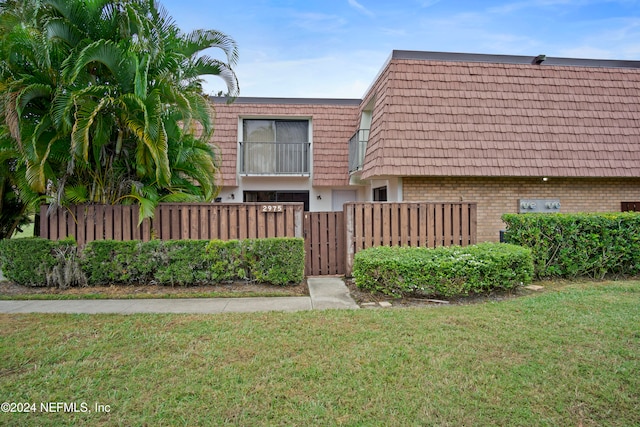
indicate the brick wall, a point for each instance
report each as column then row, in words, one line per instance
column 496, row 196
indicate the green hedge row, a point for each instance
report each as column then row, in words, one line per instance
column 574, row 245
column 445, row 271
column 37, row 262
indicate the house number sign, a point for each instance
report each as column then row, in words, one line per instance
column 271, row 208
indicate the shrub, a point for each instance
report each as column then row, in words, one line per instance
column 114, row 262
column 278, row 261
column 27, row 261
column 445, row 271
column 573, row 245
column 226, row 260
column 181, row 262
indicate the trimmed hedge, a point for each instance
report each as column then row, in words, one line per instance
column 277, row 261
column 574, row 245
column 32, row 261
column 444, row 271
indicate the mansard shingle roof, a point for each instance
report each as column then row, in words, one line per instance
column 478, row 115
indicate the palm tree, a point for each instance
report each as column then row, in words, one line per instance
column 104, row 100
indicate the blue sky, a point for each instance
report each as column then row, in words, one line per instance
column 335, row 48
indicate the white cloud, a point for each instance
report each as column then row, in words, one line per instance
column 428, row 3
column 360, row 8
column 343, row 75
column 318, row 22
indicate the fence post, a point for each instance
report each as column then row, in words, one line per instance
column 349, row 249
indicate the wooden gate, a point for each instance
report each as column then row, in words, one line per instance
column 324, row 243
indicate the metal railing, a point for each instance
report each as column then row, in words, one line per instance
column 275, row 158
column 357, row 149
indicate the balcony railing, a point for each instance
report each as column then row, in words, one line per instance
column 357, row 148
column 274, row 158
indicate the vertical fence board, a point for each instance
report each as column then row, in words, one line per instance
column 315, row 244
column 331, row 236
column 127, row 231
column 446, row 214
column 377, row 225
column 473, row 223
column 307, row 244
column 109, row 232
column 324, row 239
column 90, row 218
column 271, row 224
column 457, row 225
column 80, row 225
column 404, row 224
column 465, row 224
column 203, row 221
column 368, row 228
column 233, row 224
column 386, row 224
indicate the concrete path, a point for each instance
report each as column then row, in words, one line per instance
column 325, row 293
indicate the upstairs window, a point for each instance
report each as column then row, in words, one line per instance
column 271, row 147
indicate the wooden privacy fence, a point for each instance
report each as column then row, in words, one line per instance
column 407, row 224
column 331, row 238
column 197, row 221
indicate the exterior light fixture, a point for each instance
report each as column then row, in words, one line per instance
column 545, row 179
column 539, row 59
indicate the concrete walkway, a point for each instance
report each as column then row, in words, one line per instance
column 324, row 293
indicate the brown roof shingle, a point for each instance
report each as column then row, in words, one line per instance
column 452, row 118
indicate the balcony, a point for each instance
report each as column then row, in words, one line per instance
column 275, row 158
column 357, row 148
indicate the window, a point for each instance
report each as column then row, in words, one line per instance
column 278, row 196
column 275, row 147
column 380, row 194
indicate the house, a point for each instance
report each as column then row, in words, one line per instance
column 512, row 133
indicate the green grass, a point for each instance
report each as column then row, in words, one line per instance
column 27, row 231
column 566, row 357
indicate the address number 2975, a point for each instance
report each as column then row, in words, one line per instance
column 271, row 208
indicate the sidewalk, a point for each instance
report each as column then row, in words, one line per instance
column 324, row 293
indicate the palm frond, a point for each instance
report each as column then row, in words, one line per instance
column 108, row 53
column 76, row 194
column 199, row 40
column 31, row 92
column 85, row 118
column 63, row 30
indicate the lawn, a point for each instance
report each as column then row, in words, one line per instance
column 566, row 357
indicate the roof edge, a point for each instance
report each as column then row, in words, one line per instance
column 511, row 59
column 285, row 101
